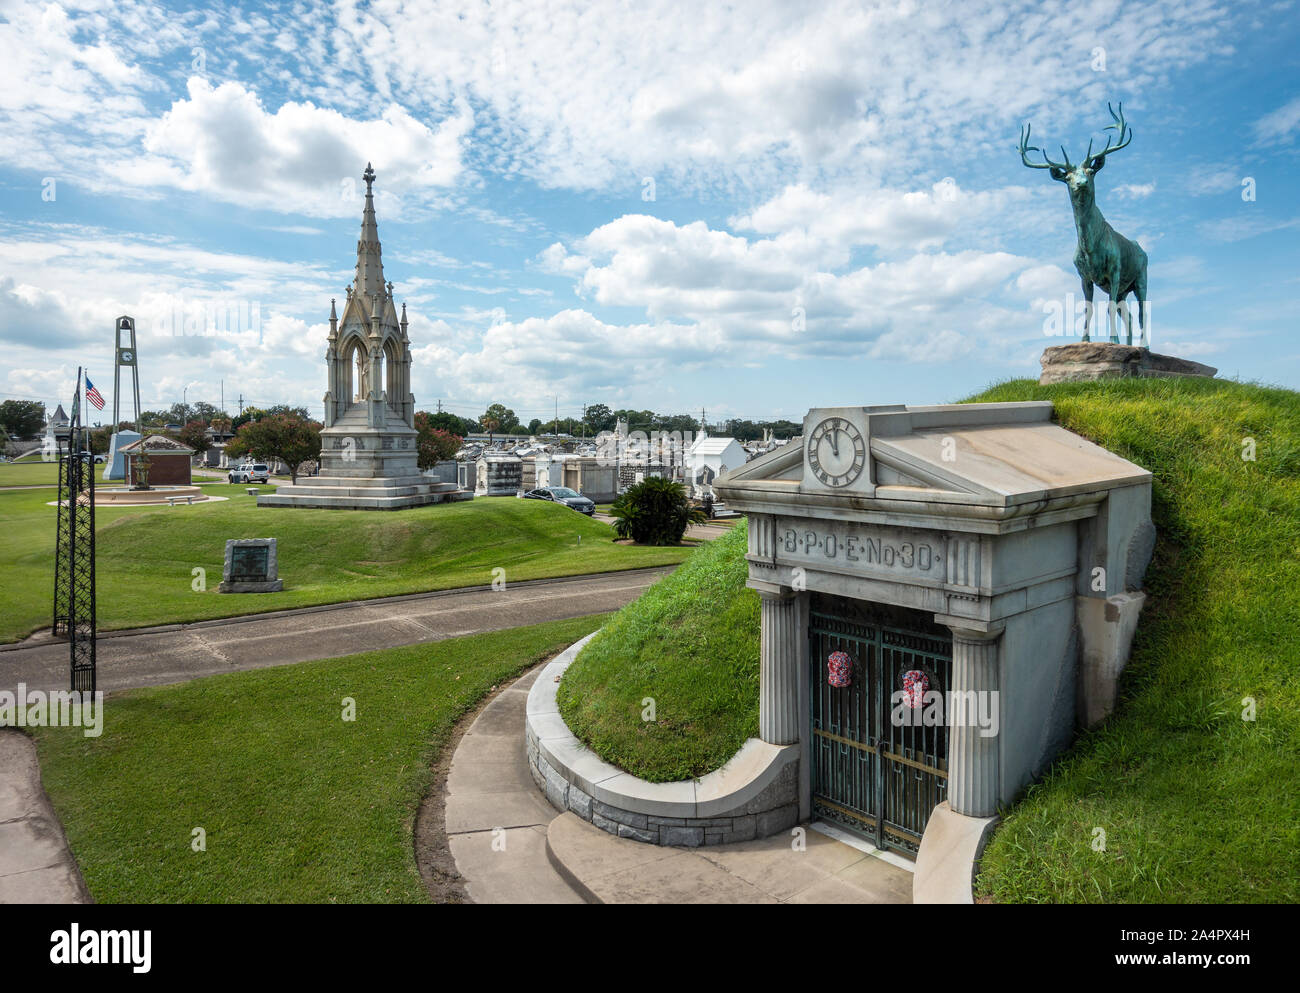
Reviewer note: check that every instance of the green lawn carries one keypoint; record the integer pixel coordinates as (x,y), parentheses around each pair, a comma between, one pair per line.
(29,472)
(297,804)
(146,556)
(690,643)
(1197,805)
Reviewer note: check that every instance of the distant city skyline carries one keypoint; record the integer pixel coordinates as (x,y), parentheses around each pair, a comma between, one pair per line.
(753,210)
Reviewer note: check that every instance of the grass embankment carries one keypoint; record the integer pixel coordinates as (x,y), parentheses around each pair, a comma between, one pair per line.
(297,805)
(1197,804)
(146,556)
(690,643)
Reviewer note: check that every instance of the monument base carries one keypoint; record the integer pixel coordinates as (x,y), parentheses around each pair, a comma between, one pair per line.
(1088,360)
(364,493)
(272,586)
(116,461)
(366,468)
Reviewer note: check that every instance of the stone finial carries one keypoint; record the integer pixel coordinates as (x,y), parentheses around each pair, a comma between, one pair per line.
(369,177)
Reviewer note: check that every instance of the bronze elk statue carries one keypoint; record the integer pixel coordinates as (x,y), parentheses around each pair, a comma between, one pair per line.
(1104,257)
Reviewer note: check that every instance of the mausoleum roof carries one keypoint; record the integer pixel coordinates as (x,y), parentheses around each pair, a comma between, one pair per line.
(1009,458)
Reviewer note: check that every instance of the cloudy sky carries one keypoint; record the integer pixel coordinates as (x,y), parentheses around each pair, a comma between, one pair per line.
(751,208)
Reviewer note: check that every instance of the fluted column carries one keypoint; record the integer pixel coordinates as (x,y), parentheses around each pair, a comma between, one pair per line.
(782,628)
(973,785)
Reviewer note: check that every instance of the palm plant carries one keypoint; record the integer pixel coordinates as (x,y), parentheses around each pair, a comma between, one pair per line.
(654,512)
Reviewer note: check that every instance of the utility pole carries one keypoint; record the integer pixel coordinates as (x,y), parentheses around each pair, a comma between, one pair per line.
(223,398)
(440,405)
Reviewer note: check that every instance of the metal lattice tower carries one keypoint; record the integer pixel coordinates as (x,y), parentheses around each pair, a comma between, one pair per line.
(74,557)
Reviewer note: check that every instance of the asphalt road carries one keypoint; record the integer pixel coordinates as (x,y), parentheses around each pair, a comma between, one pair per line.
(173,654)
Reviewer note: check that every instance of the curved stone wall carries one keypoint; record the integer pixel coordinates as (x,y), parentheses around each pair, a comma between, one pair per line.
(754,795)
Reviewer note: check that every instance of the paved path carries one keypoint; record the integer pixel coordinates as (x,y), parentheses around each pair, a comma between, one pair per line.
(495,818)
(175,653)
(512,846)
(35,863)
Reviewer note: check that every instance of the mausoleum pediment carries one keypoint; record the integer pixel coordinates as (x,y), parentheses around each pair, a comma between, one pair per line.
(1007,458)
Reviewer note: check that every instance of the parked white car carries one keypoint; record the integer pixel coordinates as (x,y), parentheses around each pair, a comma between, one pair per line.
(250,472)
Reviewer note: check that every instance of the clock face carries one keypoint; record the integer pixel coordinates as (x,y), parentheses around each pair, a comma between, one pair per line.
(837,453)
(127,355)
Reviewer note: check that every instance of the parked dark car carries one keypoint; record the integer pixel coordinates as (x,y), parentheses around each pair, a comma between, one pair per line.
(564,495)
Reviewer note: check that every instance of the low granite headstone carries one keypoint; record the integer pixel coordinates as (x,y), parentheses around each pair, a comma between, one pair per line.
(1088,360)
(250,567)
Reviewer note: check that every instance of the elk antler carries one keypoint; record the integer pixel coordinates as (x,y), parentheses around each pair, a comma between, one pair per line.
(1125,135)
(1026,148)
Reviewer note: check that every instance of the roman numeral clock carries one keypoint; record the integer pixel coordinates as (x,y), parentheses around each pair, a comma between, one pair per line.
(835,449)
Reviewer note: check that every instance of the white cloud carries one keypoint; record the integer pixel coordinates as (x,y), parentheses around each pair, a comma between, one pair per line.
(301,158)
(1281,125)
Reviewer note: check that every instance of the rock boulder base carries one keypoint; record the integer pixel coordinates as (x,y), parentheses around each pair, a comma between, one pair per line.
(1089,360)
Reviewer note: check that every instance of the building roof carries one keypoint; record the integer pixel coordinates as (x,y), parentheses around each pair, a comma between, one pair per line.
(157,444)
(1001,460)
(713,446)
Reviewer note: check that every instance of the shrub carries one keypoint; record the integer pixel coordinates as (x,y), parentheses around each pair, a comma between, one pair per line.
(654,512)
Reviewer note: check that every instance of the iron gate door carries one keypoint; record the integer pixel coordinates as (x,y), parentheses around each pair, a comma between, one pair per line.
(874,775)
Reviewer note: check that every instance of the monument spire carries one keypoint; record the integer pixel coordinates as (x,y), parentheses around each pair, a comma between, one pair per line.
(370,267)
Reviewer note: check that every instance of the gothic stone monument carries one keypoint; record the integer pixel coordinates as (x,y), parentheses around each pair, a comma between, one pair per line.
(977,552)
(368,458)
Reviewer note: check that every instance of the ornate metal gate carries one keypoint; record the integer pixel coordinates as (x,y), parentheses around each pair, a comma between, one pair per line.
(871,773)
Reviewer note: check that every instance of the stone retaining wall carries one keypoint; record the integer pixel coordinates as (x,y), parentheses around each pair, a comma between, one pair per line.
(753,796)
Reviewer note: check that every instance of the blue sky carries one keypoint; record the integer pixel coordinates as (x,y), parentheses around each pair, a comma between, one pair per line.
(751,209)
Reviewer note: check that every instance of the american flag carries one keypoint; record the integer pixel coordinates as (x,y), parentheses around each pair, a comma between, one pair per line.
(93,396)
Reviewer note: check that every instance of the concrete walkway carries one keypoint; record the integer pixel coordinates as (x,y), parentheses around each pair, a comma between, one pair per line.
(512,846)
(495,818)
(179,652)
(36,865)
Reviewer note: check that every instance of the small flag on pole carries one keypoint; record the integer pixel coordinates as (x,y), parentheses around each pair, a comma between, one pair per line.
(93,396)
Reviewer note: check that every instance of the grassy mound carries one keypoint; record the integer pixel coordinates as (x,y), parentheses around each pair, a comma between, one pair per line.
(146,556)
(1196,803)
(690,644)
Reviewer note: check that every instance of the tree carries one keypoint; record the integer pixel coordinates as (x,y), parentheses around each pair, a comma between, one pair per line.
(22,418)
(152,419)
(195,435)
(434,444)
(204,412)
(534,425)
(444,420)
(599,418)
(99,439)
(504,419)
(676,422)
(293,440)
(654,512)
(257,413)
